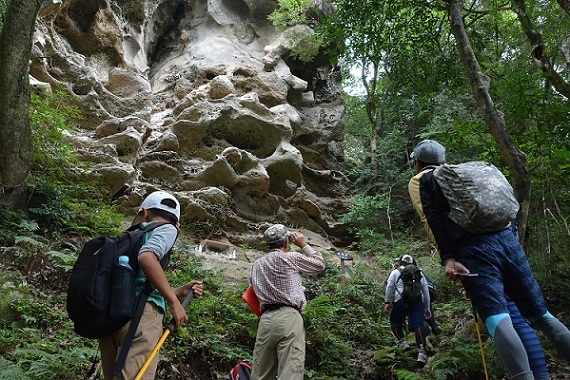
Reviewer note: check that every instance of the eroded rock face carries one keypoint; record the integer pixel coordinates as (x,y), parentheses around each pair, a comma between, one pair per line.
(200,98)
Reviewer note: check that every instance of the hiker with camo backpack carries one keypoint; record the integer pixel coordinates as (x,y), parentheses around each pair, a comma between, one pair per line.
(408,287)
(485,255)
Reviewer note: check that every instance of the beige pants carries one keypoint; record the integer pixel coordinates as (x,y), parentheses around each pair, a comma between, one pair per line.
(279,351)
(148,333)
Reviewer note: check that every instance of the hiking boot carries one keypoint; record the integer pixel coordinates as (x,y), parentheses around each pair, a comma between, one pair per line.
(422,359)
(404,345)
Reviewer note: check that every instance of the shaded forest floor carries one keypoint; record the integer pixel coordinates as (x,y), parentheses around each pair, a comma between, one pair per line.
(348,335)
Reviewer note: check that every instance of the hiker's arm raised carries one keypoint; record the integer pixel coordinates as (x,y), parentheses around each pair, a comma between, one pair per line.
(196,286)
(151,267)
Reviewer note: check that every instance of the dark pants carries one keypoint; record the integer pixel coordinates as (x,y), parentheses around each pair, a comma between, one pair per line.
(415,314)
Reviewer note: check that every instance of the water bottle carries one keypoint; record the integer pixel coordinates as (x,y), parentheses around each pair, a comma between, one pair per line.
(124,261)
(122,290)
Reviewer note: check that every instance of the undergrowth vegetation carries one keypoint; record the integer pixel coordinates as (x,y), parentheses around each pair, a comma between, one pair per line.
(348,335)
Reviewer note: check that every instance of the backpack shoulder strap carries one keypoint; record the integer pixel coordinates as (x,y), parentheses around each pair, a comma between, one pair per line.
(139,309)
(400,270)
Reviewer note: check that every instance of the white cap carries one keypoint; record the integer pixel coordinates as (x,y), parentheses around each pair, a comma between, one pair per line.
(408,259)
(156,200)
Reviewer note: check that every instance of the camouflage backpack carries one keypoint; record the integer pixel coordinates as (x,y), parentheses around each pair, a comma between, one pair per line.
(481,198)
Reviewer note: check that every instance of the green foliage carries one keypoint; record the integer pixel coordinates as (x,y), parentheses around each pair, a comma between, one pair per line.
(63,259)
(287,17)
(3,8)
(408,375)
(11,371)
(464,362)
(13,223)
(221,327)
(64,198)
(33,344)
(375,220)
(51,119)
(290,13)
(366,212)
(52,363)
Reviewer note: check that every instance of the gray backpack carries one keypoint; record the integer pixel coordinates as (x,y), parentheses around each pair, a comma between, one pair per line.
(481,198)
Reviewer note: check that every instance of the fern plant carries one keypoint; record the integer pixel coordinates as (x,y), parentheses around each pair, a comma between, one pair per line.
(11,371)
(61,364)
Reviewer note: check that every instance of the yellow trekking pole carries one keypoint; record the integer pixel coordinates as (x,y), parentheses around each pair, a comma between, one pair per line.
(480,342)
(169,328)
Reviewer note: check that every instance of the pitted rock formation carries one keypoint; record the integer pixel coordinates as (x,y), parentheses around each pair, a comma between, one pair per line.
(201,98)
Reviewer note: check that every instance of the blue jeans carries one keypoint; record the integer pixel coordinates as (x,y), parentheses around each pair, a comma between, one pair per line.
(503,268)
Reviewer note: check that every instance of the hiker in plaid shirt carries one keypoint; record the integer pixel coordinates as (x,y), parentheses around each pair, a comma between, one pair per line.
(276,278)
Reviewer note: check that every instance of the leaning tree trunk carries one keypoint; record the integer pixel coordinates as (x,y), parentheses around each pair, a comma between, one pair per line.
(16,141)
(515,158)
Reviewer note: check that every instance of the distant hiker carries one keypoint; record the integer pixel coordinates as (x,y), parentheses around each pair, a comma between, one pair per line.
(411,299)
(397,263)
(157,207)
(495,256)
(279,351)
(435,329)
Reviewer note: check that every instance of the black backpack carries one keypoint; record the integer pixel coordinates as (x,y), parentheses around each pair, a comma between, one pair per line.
(101,296)
(411,277)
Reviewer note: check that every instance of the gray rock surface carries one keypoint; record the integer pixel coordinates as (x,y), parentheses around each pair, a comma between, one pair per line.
(200,98)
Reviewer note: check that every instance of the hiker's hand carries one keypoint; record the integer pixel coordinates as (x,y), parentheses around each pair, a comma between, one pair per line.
(298,239)
(196,286)
(178,313)
(387,308)
(453,267)
(427,314)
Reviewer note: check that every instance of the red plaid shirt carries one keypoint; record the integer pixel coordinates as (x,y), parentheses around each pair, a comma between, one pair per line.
(276,277)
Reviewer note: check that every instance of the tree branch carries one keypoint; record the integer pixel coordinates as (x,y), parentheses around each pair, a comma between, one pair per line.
(539,52)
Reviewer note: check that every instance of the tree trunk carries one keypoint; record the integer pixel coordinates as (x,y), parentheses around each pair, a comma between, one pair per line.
(16,143)
(565,4)
(370,85)
(515,158)
(539,52)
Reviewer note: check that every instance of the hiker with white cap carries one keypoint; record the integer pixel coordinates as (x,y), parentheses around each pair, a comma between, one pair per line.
(408,288)
(159,206)
(279,351)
